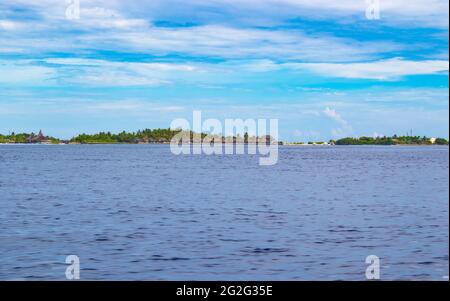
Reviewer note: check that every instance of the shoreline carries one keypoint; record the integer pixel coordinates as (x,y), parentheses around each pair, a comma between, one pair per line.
(224,144)
(166,136)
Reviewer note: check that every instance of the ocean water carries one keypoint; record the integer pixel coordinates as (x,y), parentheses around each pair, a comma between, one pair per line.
(138,212)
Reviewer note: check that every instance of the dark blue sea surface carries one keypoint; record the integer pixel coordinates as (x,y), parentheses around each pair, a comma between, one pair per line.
(139,212)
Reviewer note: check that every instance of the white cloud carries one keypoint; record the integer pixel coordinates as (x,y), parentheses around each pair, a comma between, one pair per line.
(121,14)
(115,79)
(10,25)
(306,134)
(137,107)
(377,135)
(344,128)
(102,26)
(89,72)
(419,13)
(116,64)
(234,43)
(96,72)
(127,26)
(382,70)
(93,72)
(24,73)
(92,107)
(99,17)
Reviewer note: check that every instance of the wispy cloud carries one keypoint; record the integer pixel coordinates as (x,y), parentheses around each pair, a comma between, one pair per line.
(382,70)
(135,107)
(214,41)
(10,25)
(24,73)
(90,72)
(405,12)
(96,72)
(344,129)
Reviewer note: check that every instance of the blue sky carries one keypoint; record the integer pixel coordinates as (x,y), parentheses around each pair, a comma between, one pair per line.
(321,67)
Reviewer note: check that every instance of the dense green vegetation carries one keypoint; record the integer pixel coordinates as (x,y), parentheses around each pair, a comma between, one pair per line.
(441,141)
(28,138)
(153,136)
(365,141)
(144,136)
(394,140)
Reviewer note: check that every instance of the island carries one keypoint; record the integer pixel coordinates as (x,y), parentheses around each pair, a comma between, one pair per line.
(147,136)
(394,140)
(29,138)
(164,136)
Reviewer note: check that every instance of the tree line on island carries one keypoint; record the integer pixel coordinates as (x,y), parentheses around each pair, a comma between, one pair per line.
(166,135)
(147,136)
(394,140)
